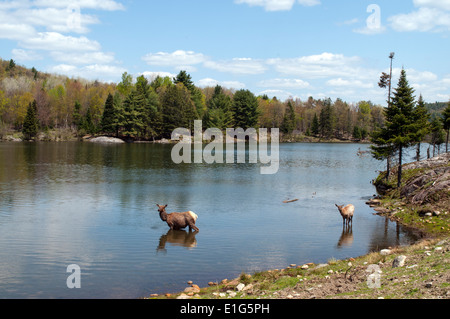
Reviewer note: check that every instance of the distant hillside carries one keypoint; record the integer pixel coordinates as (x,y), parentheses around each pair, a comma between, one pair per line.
(436,107)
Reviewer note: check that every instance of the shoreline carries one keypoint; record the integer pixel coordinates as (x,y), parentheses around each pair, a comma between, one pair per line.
(67,135)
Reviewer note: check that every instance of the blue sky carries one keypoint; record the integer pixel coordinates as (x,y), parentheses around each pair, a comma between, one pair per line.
(283,48)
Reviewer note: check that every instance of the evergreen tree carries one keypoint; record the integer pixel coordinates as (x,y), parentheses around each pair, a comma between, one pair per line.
(196,95)
(31,124)
(289,119)
(357,133)
(178,110)
(76,115)
(185,78)
(446,124)
(437,134)
(118,113)
(11,65)
(218,114)
(327,120)
(109,119)
(245,109)
(146,102)
(131,119)
(400,122)
(421,119)
(87,123)
(315,125)
(35,72)
(382,149)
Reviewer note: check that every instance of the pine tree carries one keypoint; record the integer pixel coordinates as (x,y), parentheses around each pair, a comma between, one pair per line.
(421,119)
(131,117)
(178,110)
(437,134)
(327,120)
(87,123)
(185,78)
(289,119)
(76,115)
(382,149)
(109,119)
(245,109)
(11,65)
(400,124)
(218,114)
(357,133)
(31,124)
(446,124)
(118,112)
(315,125)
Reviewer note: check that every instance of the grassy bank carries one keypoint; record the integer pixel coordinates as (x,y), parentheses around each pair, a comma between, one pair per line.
(421,203)
(425,274)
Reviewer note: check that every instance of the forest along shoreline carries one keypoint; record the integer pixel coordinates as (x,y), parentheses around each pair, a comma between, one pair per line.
(417,271)
(70,136)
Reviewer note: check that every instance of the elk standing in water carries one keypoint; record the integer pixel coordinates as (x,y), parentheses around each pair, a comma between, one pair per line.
(347,214)
(178,221)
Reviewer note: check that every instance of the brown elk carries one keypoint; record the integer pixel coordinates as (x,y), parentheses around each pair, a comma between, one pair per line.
(178,221)
(346,213)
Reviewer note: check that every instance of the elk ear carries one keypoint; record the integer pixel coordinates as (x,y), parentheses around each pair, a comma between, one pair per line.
(165,206)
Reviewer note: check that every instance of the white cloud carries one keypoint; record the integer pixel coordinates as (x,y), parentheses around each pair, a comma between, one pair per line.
(278,5)
(90,72)
(108,5)
(78,58)
(241,66)
(440,4)
(181,60)
(23,55)
(324,65)
(284,83)
(65,69)
(279,94)
(12,31)
(339,82)
(208,82)
(431,15)
(153,75)
(423,20)
(309,3)
(54,41)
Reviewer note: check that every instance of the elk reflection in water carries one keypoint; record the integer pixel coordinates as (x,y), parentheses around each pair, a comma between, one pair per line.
(178,238)
(346,238)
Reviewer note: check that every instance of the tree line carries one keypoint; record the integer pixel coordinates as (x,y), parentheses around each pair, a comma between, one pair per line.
(150,109)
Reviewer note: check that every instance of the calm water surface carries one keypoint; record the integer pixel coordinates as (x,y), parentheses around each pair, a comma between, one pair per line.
(95,206)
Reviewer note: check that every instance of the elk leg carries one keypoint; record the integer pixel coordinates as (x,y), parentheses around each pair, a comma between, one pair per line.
(192,226)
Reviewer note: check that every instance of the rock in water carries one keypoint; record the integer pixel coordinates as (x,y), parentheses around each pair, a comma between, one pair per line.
(106,140)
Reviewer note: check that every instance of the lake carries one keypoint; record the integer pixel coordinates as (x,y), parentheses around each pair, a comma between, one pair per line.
(95,206)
